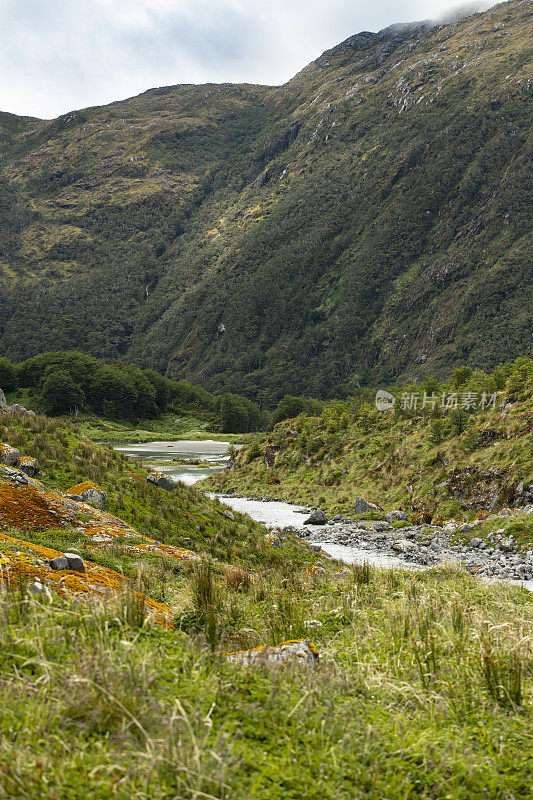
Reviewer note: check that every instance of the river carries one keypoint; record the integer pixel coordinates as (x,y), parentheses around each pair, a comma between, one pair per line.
(272,513)
(211,452)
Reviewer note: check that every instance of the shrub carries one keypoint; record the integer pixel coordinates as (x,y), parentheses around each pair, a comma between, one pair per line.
(290,407)
(471,440)
(253,452)
(458,420)
(437,431)
(238,414)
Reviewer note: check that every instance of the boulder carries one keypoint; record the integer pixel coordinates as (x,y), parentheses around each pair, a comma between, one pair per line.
(363,506)
(378,526)
(273,539)
(523,494)
(28,465)
(87,492)
(8,455)
(160,479)
(59,562)
(75,562)
(17,409)
(316,518)
(395,516)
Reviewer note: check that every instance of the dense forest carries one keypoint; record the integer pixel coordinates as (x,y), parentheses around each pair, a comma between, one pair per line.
(65,383)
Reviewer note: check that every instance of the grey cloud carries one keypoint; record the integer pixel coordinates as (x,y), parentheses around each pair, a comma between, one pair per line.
(56,55)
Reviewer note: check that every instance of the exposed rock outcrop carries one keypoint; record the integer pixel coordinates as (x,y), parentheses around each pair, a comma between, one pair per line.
(87,492)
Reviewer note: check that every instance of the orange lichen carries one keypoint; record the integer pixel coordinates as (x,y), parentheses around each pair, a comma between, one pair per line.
(24,506)
(85,486)
(17,567)
(34,507)
(137,478)
(423,517)
(315,569)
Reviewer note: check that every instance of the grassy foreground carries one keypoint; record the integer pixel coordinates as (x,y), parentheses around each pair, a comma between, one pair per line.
(423,690)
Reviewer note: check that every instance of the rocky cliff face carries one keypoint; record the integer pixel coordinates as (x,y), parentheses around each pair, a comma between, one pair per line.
(369,217)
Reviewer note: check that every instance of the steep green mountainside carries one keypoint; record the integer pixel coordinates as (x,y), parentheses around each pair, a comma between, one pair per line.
(367,218)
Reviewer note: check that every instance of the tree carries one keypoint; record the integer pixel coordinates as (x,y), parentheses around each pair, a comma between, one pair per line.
(289,407)
(59,392)
(238,414)
(8,375)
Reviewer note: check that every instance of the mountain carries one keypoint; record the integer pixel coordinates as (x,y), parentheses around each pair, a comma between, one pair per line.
(367,220)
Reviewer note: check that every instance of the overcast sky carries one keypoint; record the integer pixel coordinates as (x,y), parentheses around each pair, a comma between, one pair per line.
(59,55)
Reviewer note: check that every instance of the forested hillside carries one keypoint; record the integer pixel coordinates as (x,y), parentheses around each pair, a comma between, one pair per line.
(367,218)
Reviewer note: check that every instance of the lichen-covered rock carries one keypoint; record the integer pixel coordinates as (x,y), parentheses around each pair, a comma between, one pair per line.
(363,506)
(25,502)
(28,465)
(25,562)
(75,562)
(88,492)
(18,409)
(395,516)
(59,562)
(272,539)
(8,455)
(315,569)
(163,481)
(302,651)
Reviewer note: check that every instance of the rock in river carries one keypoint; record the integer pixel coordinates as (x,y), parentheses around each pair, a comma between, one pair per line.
(316,518)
